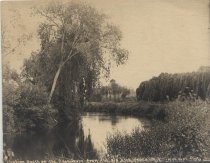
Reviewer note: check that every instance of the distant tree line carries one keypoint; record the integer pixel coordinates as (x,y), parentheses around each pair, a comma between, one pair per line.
(183,86)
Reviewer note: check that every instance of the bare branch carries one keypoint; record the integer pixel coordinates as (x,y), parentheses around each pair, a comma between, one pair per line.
(12,50)
(70,57)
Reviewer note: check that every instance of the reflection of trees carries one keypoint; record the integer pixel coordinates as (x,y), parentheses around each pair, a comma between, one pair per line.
(71,142)
(113,118)
(64,141)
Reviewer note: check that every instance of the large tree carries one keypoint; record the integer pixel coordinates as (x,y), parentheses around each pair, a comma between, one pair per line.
(78,44)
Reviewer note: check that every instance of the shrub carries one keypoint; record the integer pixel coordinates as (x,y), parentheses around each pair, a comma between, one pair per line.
(183,134)
(8,119)
(32,95)
(35,118)
(10,92)
(24,104)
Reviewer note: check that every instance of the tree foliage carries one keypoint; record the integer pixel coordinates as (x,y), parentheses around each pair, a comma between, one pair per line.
(10,91)
(24,104)
(170,86)
(77,46)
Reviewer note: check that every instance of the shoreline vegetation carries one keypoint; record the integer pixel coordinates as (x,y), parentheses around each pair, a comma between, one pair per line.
(184,133)
(149,110)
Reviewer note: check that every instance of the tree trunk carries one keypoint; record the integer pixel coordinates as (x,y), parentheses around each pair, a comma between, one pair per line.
(57,73)
(54,83)
(56,77)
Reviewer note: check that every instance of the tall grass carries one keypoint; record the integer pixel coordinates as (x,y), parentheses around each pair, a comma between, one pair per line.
(183,134)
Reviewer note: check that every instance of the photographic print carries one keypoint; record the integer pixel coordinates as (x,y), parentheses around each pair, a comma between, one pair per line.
(105,81)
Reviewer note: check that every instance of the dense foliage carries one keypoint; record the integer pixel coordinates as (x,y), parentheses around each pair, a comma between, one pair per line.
(24,104)
(183,134)
(170,86)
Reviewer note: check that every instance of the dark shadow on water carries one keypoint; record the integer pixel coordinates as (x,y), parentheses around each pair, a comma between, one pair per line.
(112,118)
(63,141)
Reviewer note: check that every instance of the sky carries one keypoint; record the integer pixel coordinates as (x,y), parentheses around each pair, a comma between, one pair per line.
(161,35)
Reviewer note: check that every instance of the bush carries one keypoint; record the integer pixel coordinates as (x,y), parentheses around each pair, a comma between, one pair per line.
(35,119)
(8,119)
(184,134)
(24,104)
(17,92)
(10,92)
(32,95)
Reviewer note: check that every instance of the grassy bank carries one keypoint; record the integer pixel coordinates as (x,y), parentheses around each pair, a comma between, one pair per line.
(183,134)
(140,109)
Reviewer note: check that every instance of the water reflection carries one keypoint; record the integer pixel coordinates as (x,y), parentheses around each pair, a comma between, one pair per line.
(112,118)
(64,141)
(101,125)
(82,139)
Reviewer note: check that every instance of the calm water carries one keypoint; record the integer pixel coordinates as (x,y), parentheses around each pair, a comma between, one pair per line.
(79,140)
(99,126)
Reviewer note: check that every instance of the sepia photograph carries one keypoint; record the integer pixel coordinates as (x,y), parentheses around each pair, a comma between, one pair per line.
(105,81)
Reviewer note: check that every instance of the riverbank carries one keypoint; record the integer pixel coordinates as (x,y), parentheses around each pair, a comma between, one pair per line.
(184,133)
(139,109)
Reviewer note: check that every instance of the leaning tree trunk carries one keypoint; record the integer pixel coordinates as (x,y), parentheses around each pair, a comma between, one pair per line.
(59,68)
(54,83)
(56,77)
(57,73)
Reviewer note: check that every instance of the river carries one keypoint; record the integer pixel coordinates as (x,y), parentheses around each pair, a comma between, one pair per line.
(78,140)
